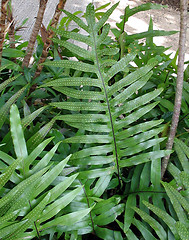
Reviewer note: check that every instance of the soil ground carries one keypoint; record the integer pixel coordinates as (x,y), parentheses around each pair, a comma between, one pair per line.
(173,3)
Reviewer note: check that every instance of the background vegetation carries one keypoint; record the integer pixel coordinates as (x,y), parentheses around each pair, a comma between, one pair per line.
(81,151)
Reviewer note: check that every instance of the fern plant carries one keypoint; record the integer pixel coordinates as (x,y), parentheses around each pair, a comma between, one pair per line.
(115,134)
(28,200)
(109,112)
(175,215)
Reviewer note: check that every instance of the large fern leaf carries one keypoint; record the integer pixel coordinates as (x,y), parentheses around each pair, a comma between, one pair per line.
(176,220)
(110,113)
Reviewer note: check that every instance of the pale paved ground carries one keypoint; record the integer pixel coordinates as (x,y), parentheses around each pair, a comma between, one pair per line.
(28,9)
(165,19)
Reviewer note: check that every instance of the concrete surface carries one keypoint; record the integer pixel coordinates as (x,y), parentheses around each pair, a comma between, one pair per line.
(23,9)
(165,19)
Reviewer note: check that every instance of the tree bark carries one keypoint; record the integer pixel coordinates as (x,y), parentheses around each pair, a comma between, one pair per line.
(50,35)
(2,25)
(179,83)
(11,31)
(33,36)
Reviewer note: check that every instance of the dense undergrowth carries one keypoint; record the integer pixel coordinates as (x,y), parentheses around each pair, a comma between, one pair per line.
(81,150)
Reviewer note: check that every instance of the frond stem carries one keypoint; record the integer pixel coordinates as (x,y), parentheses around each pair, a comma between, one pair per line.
(35,224)
(109,111)
(88,206)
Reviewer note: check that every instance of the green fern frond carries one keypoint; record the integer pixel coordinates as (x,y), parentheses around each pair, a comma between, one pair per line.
(108,102)
(6,83)
(153,223)
(5,109)
(164,216)
(26,202)
(182,230)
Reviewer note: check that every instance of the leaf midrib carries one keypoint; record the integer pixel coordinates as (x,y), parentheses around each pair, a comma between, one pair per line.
(108,104)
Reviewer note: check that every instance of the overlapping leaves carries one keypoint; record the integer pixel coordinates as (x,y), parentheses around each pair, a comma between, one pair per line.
(175,223)
(109,112)
(25,203)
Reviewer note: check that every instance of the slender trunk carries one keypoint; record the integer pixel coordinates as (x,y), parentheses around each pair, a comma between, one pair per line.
(179,84)
(50,35)
(2,25)
(12,25)
(34,33)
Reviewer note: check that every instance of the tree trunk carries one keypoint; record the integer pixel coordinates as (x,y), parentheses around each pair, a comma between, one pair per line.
(34,33)
(2,25)
(50,35)
(179,84)
(11,31)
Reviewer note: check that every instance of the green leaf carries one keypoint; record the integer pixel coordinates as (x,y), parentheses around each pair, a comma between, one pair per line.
(6,158)
(80,66)
(105,205)
(131,236)
(130,90)
(134,116)
(4,67)
(149,33)
(74,81)
(109,216)
(73,35)
(129,212)
(77,20)
(185,179)
(153,223)
(7,201)
(29,118)
(59,204)
(17,133)
(45,160)
(12,53)
(61,187)
(108,234)
(183,153)
(92,95)
(156,170)
(138,102)
(105,17)
(7,82)
(119,66)
(30,217)
(78,118)
(96,173)
(47,179)
(35,153)
(68,219)
(163,215)
(182,231)
(144,157)
(76,50)
(5,109)
(7,231)
(89,139)
(9,171)
(145,232)
(101,185)
(177,200)
(8,217)
(11,65)
(37,138)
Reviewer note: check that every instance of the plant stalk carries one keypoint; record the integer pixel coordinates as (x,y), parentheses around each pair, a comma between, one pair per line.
(179,83)
(2,25)
(50,35)
(11,31)
(33,36)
